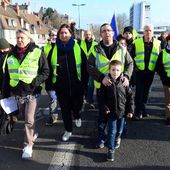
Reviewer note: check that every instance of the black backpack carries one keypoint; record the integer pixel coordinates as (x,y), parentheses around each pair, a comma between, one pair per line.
(6,123)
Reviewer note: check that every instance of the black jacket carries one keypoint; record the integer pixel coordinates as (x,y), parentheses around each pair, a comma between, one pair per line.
(117,99)
(67,82)
(23,89)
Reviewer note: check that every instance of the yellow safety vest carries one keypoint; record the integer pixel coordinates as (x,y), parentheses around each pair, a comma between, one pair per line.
(166,62)
(77,55)
(102,63)
(47,49)
(140,54)
(84,47)
(26,71)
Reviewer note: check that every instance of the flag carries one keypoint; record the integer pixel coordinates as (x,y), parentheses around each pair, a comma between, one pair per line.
(114,26)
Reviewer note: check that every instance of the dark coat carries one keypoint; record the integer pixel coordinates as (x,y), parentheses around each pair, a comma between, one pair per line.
(23,89)
(117,99)
(67,82)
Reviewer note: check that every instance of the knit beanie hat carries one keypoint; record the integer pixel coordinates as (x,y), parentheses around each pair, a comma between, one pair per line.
(128,29)
(168,37)
(4,43)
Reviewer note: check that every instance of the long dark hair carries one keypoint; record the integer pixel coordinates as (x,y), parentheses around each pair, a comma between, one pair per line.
(64,26)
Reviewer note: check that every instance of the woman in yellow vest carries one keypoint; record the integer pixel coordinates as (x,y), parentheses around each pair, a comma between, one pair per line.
(25,70)
(163,69)
(68,76)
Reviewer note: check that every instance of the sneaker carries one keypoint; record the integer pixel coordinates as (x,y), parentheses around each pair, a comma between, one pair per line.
(66,136)
(52,120)
(27,152)
(91,107)
(78,122)
(137,117)
(101,144)
(110,155)
(117,144)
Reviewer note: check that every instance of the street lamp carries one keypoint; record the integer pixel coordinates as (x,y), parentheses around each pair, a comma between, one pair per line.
(78,5)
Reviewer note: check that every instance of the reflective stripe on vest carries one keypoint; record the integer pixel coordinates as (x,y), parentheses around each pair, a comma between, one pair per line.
(47,49)
(77,55)
(166,62)
(26,71)
(84,47)
(140,54)
(102,63)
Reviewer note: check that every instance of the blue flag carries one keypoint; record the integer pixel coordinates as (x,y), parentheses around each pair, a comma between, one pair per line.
(114,26)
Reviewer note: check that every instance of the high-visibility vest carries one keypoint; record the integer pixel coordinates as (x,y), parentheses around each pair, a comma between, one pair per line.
(46,49)
(77,55)
(102,63)
(140,54)
(26,71)
(83,45)
(166,62)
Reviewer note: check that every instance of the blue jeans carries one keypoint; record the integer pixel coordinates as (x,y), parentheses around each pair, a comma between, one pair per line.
(90,90)
(115,128)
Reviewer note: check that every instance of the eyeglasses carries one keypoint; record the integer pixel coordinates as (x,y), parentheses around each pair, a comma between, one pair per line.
(104,31)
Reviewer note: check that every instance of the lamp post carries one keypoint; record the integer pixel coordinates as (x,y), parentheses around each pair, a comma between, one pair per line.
(78,5)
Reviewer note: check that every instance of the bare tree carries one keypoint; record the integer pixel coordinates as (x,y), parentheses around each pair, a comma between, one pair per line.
(95,28)
(122,21)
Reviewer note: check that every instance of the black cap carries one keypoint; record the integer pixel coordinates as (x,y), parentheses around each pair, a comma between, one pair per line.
(128,29)
(4,43)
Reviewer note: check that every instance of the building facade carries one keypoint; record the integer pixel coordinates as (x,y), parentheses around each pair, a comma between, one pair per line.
(140,15)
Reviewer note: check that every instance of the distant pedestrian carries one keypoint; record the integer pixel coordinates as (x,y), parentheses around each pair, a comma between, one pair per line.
(163,69)
(25,70)
(145,54)
(87,46)
(117,103)
(47,49)
(68,75)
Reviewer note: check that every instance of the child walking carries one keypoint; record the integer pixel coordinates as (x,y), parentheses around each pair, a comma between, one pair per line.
(117,103)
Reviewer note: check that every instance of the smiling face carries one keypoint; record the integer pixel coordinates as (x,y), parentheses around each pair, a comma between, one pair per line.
(115,71)
(22,40)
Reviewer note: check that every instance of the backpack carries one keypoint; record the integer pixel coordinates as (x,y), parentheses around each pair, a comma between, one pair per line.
(6,123)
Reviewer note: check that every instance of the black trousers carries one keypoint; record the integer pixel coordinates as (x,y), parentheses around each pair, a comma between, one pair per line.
(70,108)
(144,80)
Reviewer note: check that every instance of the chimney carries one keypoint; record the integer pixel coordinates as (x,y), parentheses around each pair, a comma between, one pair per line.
(17,9)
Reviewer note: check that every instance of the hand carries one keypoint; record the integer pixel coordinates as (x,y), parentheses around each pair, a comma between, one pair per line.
(130,115)
(106,81)
(125,81)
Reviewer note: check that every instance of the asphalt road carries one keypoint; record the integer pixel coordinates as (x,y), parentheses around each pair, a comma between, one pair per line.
(145,147)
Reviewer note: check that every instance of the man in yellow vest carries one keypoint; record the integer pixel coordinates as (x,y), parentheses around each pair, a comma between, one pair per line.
(87,46)
(26,69)
(98,67)
(47,49)
(163,69)
(145,54)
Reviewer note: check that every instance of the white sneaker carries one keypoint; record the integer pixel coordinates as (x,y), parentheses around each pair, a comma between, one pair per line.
(66,136)
(27,152)
(78,122)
